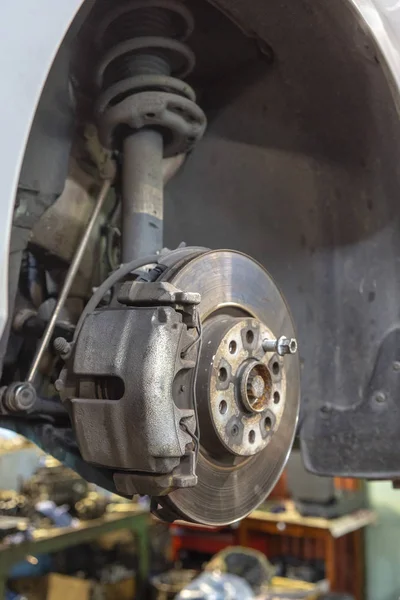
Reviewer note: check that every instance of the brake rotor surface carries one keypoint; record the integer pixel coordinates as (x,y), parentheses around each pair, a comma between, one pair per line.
(234,477)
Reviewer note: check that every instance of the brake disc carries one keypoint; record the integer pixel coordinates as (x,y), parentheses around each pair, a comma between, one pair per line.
(247,399)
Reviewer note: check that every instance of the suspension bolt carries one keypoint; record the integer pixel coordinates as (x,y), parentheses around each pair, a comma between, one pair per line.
(62,347)
(282,346)
(19,397)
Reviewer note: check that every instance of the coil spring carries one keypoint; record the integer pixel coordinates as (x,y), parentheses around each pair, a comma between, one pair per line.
(145,50)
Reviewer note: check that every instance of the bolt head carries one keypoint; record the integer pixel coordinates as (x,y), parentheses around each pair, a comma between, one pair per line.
(25,396)
(21,397)
(286,346)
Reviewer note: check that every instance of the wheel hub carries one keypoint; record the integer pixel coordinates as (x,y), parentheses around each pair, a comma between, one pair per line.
(237,387)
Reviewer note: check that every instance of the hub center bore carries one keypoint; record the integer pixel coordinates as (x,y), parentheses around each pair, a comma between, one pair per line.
(256,387)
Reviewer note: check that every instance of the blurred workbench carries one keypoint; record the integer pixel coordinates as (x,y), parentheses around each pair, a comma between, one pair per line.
(339,542)
(46,541)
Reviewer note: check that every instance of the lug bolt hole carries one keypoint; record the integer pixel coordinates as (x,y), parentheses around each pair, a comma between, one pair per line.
(275,368)
(252,436)
(235,430)
(232,347)
(268,424)
(150,115)
(249,337)
(277,397)
(223,374)
(223,407)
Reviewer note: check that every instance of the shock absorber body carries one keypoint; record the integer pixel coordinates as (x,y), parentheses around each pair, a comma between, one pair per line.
(145,110)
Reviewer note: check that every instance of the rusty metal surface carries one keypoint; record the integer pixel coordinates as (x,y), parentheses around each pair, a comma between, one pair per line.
(229,488)
(243,421)
(123,402)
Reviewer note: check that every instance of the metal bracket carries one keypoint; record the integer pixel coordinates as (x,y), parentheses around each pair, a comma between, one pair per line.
(155,294)
(161,293)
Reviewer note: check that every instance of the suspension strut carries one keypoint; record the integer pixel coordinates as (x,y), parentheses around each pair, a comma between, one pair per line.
(145,110)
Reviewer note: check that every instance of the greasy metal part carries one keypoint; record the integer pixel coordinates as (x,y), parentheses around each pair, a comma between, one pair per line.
(19,397)
(282,346)
(69,279)
(142,191)
(230,486)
